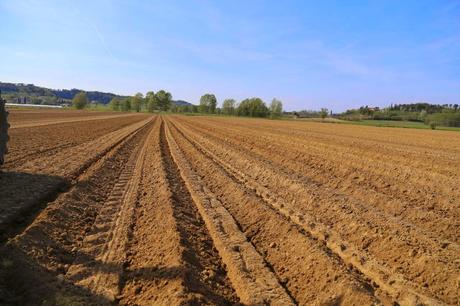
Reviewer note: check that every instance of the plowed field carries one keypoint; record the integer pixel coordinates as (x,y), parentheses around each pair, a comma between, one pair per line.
(167,210)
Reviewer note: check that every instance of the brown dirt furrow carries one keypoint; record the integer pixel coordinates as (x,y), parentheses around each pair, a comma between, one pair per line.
(36,143)
(99,264)
(408,143)
(205,275)
(436,235)
(311,273)
(71,161)
(154,272)
(259,177)
(433,236)
(421,253)
(44,251)
(58,169)
(394,167)
(408,199)
(417,220)
(253,281)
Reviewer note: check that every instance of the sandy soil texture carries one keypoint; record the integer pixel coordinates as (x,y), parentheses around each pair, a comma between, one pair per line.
(157,210)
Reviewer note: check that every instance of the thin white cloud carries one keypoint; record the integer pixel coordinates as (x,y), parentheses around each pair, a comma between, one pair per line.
(94,27)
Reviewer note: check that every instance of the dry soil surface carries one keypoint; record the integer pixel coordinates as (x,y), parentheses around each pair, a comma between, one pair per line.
(157,210)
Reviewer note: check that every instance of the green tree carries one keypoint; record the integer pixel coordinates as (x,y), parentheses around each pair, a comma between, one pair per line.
(204,106)
(151,100)
(125,104)
(115,104)
(192,108)
(137,101)
(164,100)
(324,111)
(208,103)
(212,104)
(181,108)
(276,108)
(253,107)
(228,107)
(80,101)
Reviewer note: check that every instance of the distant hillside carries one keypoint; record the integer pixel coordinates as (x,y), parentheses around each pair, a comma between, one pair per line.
(100,97)
(29,93)
(182,103)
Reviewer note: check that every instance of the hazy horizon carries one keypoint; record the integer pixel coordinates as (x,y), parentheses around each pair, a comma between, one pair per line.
(310,55)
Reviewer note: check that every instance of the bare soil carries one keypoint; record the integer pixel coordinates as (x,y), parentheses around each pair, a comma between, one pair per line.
(148,210)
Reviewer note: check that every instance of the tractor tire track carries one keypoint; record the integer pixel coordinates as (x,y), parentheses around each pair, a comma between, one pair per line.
(99,265)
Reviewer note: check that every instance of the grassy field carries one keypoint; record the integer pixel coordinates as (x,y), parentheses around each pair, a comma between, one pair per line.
(399,124)
(380,123)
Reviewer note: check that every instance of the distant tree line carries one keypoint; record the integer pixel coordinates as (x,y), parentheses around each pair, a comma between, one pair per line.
(322,113)
(159,101)
(250,107)
(418,107)
(162,101)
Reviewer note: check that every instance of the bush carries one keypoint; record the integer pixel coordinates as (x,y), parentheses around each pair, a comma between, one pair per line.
(433,125)
(80,101)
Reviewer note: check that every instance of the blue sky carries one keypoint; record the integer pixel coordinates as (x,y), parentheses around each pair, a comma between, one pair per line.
(309,54)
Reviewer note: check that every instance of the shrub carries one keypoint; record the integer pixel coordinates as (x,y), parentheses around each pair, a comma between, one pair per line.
(80,101)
